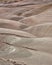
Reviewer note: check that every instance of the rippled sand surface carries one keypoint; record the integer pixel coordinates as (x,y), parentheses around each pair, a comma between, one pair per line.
(25,32)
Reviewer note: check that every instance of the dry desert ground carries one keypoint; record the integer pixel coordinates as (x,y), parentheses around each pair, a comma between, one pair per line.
(25,32)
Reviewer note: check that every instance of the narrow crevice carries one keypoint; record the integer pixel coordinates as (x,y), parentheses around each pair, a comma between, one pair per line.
(14,35)
(20,46)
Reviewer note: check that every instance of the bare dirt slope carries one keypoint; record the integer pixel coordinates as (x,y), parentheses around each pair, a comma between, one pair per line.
(25,32)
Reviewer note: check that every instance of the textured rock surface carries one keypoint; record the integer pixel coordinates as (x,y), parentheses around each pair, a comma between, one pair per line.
(25,32)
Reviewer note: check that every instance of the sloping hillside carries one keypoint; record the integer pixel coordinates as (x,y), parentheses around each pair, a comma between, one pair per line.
(25,32)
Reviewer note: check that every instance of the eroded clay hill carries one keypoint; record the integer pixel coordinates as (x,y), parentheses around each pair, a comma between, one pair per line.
(25,32)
